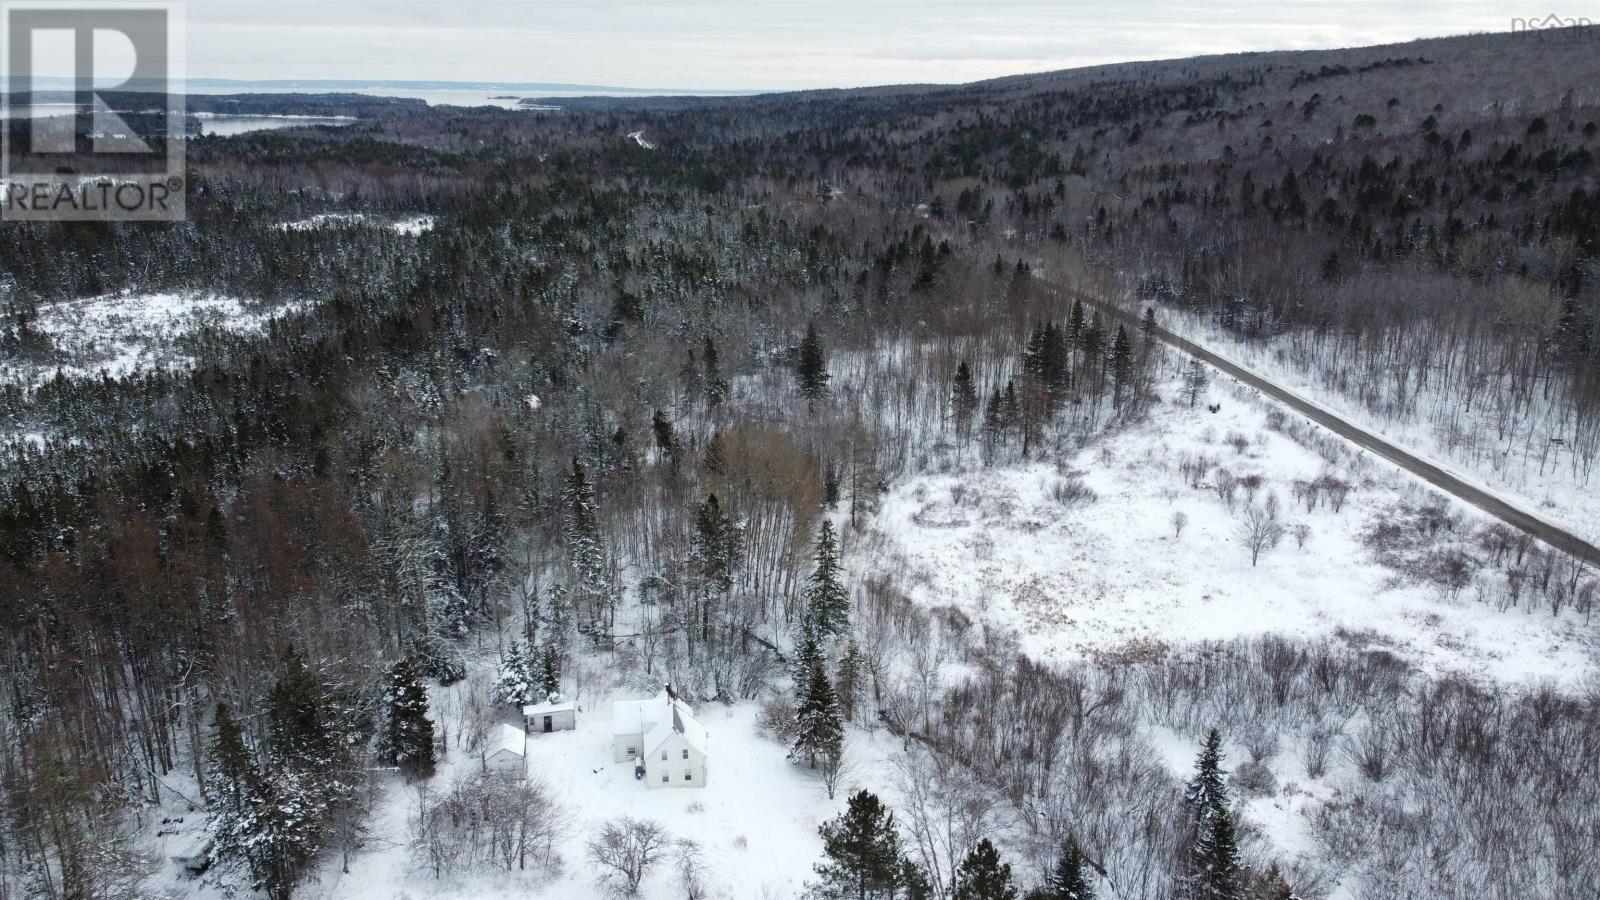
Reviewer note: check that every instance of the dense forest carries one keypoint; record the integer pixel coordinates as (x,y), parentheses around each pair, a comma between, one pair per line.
(614,402)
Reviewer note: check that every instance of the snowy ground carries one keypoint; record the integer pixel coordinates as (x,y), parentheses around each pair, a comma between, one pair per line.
(410,226)
(756,819)
(121,334)
(1077,580)
(1523,466)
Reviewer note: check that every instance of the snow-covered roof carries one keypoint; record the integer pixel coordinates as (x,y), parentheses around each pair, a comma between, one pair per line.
(655,718)
(553,706)
(682,722)
(507,737)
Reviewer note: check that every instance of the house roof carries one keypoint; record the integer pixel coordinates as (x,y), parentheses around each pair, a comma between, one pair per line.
(542,709)
(680,722)
(507,737)
(657,718)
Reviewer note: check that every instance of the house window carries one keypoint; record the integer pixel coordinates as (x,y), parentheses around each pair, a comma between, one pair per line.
(665,778)
(663,756)
(688,774)
(686,753)
(632,751)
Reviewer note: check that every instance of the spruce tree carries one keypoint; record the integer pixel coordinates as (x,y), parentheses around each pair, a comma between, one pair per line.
(1194,381)
(861,852)
(1208,790)
(515,683)
(982,876)
(963,399)
(549,671)
(407,737)
(666,441)
(819,726)
(584,549)
(714,383)
(1147,327)
(852,670)
(1121,362)
(830,487)
(714,547)
(1075,322)
(1217,870)
(1069,878)
(811,366)
(827,600)
(238,794)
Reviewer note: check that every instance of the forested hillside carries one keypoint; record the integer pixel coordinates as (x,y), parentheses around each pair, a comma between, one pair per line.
(536,391)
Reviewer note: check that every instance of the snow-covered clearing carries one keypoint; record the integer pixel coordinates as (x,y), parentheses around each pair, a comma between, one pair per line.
(410,226)
(122,334)
(1009,547)
(639,138)
(756,819)
(1529,463)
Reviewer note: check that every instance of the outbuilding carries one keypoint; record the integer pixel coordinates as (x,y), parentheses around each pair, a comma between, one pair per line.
(506,751)
(550,716)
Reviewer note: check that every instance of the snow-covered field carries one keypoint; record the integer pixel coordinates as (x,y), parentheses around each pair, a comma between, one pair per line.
(411,226)
(121,334)
(1075,579)
(1523,465)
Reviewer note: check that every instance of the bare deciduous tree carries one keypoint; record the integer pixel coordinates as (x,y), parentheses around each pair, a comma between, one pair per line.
(625,849)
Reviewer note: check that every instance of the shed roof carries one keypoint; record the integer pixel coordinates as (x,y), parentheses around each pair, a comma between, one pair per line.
(508,737)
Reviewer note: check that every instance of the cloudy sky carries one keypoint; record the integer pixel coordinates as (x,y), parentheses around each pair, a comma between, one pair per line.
(762,44)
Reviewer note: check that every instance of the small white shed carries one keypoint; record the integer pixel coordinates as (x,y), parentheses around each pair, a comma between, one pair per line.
(551,716)
(506,751)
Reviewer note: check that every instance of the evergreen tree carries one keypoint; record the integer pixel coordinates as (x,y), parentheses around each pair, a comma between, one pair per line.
(811,366)
(1208,790)
(994,425)
(982,876)
(963,399)
(549,671)
(1069,878)
(714,383)
(827,600)
(1075,322)
(666,440)
(1147,327)
(912,882)
(407,737)
(830,487)
(299,729)
(1216,860)
(1121,362)
(1194,381)
(861,852)
(1214,854)
(515,683)
(714,549)
(852,669)
(238,794)
(819,727)
(584,549)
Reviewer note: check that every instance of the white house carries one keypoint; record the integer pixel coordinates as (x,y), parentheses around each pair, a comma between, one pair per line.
(554,715)
(661,736)
(506,749)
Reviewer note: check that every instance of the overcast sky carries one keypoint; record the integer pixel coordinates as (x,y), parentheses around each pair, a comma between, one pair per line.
(750,44)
